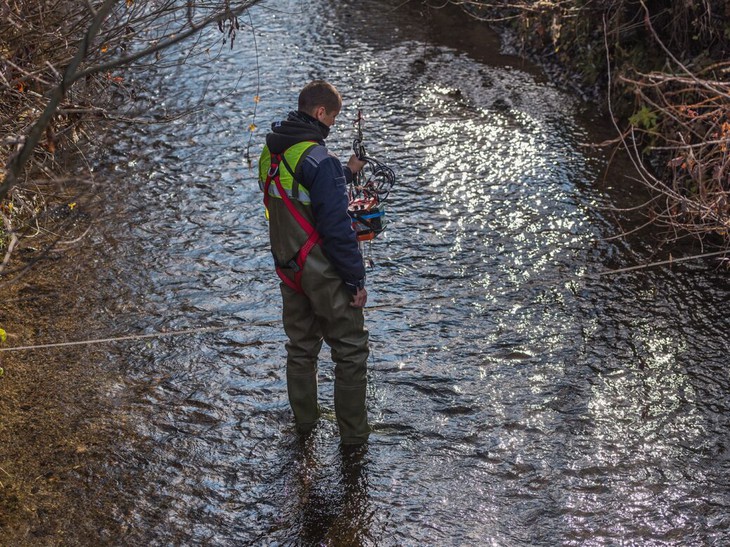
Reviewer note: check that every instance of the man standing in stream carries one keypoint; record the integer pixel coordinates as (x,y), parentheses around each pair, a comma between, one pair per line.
(318,260)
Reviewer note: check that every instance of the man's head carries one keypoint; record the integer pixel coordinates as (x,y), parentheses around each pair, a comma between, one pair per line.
(321,100)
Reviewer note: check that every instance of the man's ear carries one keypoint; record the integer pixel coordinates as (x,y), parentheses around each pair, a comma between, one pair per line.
(319,112)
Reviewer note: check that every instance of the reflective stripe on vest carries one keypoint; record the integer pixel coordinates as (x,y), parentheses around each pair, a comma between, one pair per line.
(292,155)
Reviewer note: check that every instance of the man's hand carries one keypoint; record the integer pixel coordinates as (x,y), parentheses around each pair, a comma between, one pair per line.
(359,299)
(355,164)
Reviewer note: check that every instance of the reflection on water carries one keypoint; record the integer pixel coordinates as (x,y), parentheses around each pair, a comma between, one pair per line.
(516,398)
(326,497)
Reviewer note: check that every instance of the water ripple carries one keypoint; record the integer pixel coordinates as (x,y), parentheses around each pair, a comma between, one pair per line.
(515,399)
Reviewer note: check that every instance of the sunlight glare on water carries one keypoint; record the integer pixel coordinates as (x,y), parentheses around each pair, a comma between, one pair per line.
(516,398)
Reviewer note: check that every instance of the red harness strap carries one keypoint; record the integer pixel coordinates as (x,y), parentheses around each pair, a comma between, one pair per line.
(297,263)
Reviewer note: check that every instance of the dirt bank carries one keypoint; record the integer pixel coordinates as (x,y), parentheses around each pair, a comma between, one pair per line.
(56,433)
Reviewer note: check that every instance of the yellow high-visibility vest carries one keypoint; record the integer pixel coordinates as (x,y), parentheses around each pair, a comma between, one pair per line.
(287,167)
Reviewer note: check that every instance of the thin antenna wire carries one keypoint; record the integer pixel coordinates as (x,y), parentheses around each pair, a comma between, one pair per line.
(257,97)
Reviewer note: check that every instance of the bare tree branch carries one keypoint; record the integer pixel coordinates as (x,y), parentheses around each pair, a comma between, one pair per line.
(17,162)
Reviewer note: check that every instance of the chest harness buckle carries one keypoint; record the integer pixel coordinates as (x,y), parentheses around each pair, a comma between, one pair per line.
(296,263)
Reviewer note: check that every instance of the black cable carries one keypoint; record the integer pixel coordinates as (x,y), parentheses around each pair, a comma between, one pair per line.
(369,188)
(379,179)
(376,179)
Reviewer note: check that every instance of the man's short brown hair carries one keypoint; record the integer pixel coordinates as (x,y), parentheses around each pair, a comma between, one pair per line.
(319,93)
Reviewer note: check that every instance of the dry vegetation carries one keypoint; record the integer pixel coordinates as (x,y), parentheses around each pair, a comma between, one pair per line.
(661,69)
(62,70)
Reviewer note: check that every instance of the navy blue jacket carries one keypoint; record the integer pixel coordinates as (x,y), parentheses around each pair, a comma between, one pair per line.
(326,180)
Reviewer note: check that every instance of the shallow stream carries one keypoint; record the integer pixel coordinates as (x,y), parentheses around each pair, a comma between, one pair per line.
(517,397)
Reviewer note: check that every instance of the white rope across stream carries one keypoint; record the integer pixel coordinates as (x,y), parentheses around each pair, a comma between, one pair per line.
(199,330)
(662,263)
(147,336)
(180,332)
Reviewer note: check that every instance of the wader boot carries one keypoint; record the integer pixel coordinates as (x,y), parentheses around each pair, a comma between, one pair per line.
(305,342)
(351,412)
(302,390)
(349,342)
(323,312)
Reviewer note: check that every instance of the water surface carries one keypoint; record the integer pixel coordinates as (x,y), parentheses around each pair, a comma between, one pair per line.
(517,397)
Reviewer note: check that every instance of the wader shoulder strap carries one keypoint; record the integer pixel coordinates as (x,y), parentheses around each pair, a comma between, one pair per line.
(296,264)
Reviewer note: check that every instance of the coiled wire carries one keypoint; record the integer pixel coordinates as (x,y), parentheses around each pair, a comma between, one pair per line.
(375,180)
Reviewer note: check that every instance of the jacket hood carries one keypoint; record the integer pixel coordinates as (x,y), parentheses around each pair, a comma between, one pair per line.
(296,128)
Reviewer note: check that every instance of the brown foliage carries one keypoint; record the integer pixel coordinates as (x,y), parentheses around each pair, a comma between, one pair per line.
(661,67)
(61,64)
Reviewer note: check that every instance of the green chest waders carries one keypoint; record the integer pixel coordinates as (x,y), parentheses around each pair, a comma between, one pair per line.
(296,264)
